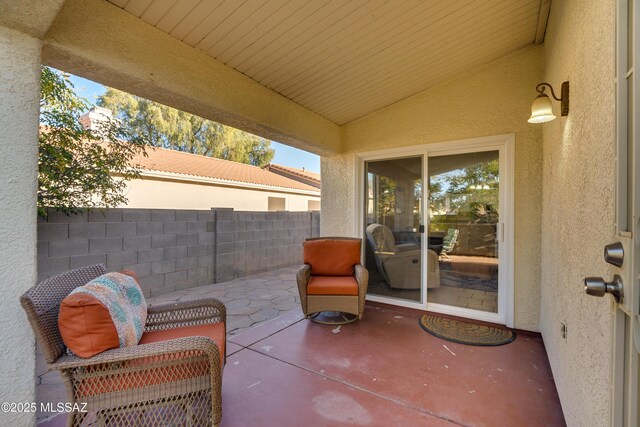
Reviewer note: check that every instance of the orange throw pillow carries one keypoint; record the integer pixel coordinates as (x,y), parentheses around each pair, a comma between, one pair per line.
(86,326)
(329,257)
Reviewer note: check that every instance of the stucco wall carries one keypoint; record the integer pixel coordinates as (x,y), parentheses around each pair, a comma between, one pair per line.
(19,95)
(578,206)
(163,194)
(490,100)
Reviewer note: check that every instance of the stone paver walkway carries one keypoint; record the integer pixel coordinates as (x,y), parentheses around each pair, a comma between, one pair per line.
(249,300)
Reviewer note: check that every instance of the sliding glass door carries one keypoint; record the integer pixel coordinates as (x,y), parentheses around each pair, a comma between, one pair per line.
(437,222)
(392,228)
(464,221)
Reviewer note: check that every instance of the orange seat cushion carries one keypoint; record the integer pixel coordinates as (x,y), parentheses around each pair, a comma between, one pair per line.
(336,285)
(215,331)
(332,257)
(86,326)
(134,378)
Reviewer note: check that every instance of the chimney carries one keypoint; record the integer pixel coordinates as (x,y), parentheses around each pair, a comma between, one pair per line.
(91,119)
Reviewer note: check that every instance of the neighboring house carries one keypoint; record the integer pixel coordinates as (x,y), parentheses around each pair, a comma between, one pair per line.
(173,179)
(301,175)
(92,118)
(177,180)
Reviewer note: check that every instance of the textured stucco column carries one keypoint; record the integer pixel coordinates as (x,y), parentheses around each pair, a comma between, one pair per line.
(19,95)
(578,207)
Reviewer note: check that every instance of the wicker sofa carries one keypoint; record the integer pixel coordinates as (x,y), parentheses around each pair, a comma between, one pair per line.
(167,382)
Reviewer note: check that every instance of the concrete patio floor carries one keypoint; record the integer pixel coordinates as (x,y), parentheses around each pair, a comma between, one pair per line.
(381,371)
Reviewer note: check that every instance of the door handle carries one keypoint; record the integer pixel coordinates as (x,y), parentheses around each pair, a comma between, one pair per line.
(597,287)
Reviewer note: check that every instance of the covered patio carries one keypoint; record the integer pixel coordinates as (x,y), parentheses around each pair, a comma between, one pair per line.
(383,370)
(358,82)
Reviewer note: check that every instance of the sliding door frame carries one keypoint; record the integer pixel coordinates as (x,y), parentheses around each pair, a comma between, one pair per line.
(361,160)
(505,144)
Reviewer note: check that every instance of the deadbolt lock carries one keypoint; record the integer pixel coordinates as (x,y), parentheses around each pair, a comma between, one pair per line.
(614,254)
(597,287)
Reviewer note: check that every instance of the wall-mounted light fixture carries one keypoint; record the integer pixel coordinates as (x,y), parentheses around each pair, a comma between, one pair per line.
(541,110)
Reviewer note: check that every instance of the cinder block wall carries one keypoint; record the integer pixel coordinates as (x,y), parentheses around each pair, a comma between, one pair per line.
(170,249)
(253,242)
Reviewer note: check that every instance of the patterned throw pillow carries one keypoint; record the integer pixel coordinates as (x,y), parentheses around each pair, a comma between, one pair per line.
(121,295)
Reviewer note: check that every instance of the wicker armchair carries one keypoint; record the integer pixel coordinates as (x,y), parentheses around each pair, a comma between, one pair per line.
(172,382)
(342,298)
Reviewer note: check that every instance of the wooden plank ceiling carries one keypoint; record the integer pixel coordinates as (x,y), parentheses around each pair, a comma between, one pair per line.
(346,59)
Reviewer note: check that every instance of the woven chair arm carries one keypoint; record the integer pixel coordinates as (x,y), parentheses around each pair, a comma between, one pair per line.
(302,278)
(303,275)
(362,275)
(139,375)
(187,313)
(144,351)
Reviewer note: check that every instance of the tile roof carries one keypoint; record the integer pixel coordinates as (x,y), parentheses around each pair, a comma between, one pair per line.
(178,162)
(312,176)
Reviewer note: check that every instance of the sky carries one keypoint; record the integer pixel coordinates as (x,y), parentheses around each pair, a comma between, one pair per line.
(284,155)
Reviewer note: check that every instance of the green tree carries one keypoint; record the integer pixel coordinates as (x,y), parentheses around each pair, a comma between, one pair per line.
(386,199)
(166,127)
(470,192)
(76,166)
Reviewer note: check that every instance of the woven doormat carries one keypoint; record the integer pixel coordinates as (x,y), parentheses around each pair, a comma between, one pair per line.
(465,332)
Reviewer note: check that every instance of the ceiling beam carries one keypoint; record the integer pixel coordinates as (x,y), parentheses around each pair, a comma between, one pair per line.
(32,17)
(543,18)
(98,40)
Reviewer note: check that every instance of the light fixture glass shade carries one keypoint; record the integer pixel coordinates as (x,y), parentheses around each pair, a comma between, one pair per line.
(541,110)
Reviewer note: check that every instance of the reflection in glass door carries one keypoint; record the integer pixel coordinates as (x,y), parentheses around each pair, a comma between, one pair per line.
(463,209)
(393,212)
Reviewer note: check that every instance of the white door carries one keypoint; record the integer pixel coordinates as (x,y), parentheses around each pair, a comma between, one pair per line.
(626,398)
(624,254)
